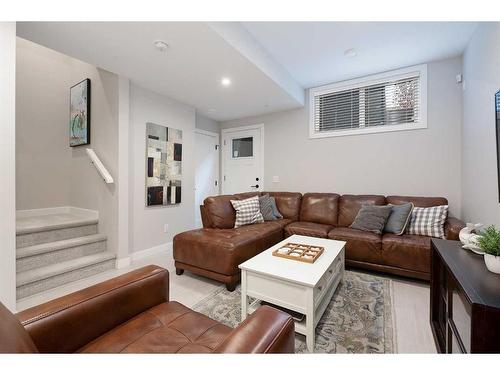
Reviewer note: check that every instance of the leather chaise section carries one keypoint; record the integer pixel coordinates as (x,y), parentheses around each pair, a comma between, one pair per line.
(223,250)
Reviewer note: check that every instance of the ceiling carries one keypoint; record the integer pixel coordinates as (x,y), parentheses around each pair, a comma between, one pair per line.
(269,63)
(313,52)
(189,71)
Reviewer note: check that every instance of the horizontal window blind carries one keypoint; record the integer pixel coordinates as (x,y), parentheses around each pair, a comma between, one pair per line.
(394,102)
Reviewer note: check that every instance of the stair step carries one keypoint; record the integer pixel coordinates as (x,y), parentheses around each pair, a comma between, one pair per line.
(37,280)
(41,255)
(51,233)
(43,224)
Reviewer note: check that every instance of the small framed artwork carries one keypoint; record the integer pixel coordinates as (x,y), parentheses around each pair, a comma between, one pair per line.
(79,118)
(497,125)
(163,165)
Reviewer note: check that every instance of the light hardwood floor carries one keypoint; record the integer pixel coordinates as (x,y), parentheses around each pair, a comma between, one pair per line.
(411,300)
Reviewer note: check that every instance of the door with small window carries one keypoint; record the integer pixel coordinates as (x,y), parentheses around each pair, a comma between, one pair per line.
(242,159)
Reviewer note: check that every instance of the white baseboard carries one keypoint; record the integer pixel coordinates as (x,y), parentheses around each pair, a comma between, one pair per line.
(123,262)
(57,210)
(165,248)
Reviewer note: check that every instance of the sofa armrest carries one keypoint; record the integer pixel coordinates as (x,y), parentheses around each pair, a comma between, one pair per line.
(267,330)
(452,228)
(68,323)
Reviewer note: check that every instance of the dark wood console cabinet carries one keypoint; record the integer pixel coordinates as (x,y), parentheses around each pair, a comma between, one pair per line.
(465,301)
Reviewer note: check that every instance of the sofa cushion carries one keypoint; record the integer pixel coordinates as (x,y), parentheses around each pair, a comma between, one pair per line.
(407,251)
(166,328)
(220,211)
(360,246)
(417,201)
(223,250)
(349,205)
(288,203)
(308,229)
(371,218)
(320,208)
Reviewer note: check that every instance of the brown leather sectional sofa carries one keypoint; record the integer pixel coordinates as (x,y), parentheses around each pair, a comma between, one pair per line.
(216,250)
(132,314)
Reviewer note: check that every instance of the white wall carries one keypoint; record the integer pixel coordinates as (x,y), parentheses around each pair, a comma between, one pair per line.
(49,173)
(7,165)
(147,223)
(481,65)
(418,162)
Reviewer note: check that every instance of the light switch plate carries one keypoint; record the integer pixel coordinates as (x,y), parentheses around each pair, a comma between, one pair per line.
(276,179)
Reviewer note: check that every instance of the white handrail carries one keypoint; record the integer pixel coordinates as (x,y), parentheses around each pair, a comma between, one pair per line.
(99,166)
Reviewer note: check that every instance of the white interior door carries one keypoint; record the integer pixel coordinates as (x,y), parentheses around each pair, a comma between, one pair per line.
(206,180)
(243,159)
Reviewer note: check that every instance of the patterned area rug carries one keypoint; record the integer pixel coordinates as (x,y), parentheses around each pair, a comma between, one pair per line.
(359,318)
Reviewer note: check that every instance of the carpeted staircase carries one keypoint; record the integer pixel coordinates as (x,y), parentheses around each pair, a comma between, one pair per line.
(56,249)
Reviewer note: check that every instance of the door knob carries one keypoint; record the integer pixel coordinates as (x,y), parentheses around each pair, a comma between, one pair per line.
(255,186)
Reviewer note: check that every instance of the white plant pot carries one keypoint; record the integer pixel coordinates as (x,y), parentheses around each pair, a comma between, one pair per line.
(492,263)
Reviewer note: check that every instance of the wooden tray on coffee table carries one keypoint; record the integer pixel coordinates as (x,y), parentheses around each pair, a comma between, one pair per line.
(299,252)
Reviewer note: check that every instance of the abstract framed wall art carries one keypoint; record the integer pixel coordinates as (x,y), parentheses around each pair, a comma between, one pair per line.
(163,165)
(79,109)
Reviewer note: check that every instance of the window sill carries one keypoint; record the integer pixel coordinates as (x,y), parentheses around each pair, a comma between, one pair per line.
(368,130)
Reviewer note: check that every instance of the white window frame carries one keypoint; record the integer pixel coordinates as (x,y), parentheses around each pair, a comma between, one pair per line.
(420,70)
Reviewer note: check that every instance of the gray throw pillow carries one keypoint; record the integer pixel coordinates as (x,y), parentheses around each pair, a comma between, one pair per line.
(268,208)
(276,213)
(371,218)
(399,218)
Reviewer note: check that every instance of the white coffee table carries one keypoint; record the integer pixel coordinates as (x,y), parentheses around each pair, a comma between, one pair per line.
(302,287)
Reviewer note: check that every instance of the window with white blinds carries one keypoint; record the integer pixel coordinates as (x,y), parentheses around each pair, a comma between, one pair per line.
(386,102)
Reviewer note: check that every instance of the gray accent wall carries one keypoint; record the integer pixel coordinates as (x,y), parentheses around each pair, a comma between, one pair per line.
(423,162)
(481,64)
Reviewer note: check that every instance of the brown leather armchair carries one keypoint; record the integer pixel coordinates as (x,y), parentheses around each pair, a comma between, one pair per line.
(132,314)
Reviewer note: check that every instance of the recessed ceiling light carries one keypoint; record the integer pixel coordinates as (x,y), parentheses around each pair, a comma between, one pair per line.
(351,52)
(160,45)
(225,81)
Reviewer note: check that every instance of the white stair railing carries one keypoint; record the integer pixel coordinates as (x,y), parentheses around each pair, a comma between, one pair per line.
(99,166)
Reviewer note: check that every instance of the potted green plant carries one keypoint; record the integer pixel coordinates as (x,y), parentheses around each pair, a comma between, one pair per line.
(489,241)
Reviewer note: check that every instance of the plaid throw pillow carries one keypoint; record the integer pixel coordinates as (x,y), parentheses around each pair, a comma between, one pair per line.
(428,221)
(247,211)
